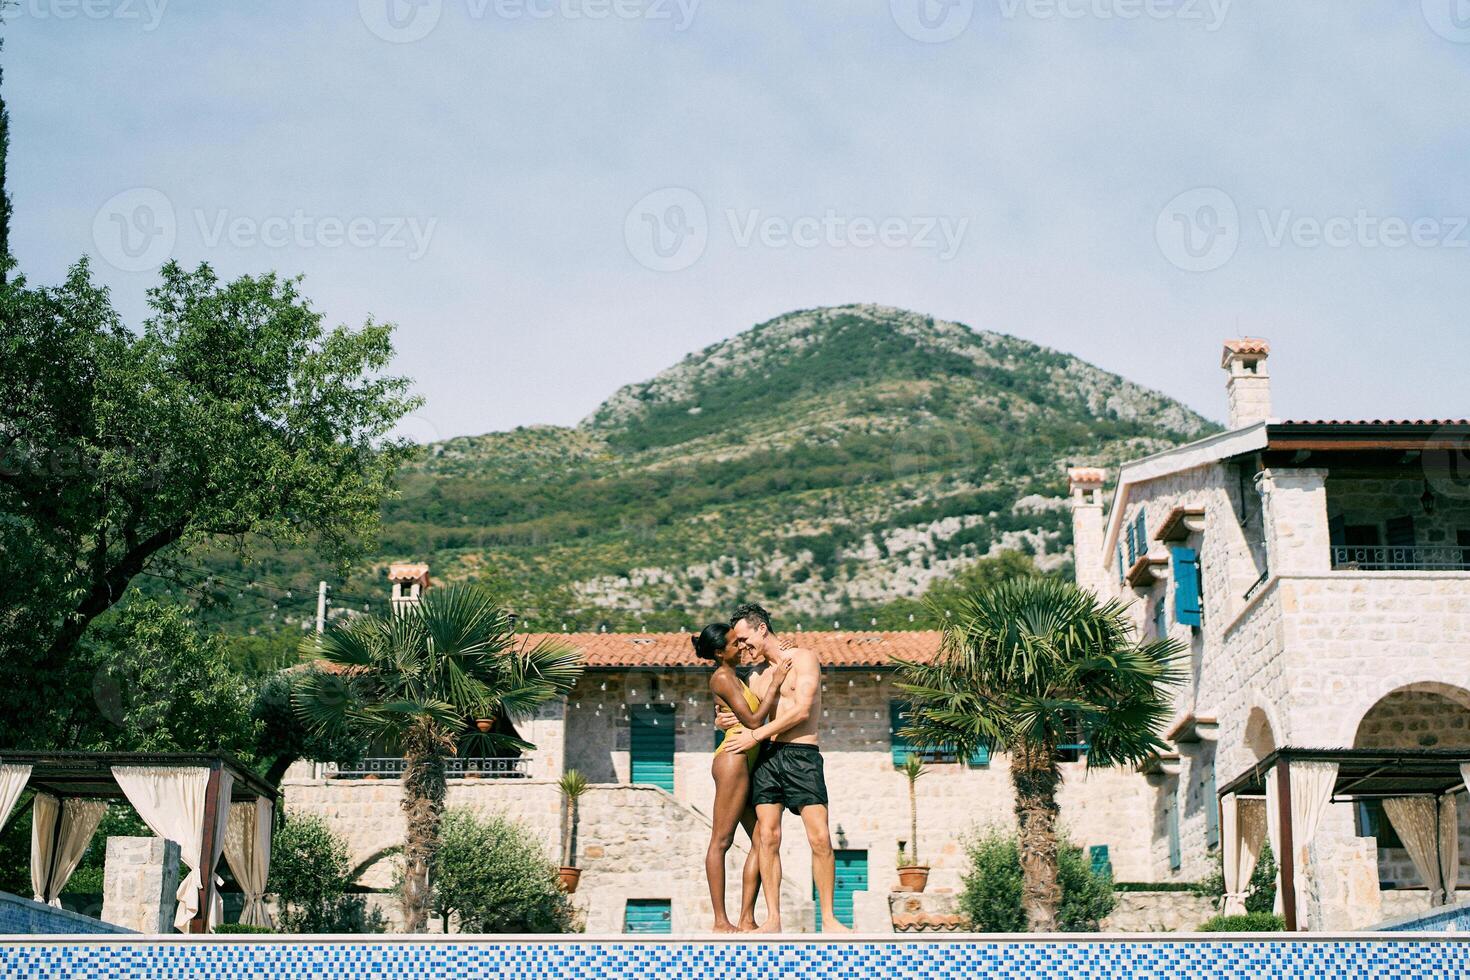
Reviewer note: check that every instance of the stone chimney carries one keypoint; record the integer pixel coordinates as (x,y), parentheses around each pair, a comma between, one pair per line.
(409,580)
(1248,384)
(1085,485)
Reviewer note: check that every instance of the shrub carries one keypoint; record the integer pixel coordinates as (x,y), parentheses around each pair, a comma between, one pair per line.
(1250,922)
(310,875)
(494,875)
(238,928)
(992,895)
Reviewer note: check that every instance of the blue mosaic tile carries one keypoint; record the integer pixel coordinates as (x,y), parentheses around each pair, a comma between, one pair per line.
(1381,959)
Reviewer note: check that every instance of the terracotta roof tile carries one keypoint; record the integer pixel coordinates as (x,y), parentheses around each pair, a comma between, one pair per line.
(833,648)
(1248,345)
(929,922)
(1423,422)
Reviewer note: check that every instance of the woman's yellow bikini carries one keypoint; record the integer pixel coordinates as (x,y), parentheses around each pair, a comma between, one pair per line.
(754,704)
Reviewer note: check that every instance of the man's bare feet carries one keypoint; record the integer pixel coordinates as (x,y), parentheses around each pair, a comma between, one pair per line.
(724,926)
(830,924)
(771,925)
(748,924)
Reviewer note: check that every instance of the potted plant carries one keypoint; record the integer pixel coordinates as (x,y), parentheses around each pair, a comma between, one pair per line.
(573,784)
(912,875)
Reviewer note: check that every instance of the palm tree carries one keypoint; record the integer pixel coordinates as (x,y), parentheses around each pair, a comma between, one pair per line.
(417,678)
(572,784)
(1030,665)
(913,769)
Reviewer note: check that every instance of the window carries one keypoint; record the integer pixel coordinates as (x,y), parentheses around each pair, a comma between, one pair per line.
(648,915)
(852,876)
(1074,744)
(1462,538)
(1401,532)
(902,748)
(1102,864)
(1188,599)
(1373,822)
(651,745)
(1161,618)
(1171,818)
(1212,811)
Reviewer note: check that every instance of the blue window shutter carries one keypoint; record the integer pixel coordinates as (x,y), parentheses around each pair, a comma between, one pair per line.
(1212,812)
(1188,608)
(652,746)
(897,718)
(1141,532)
(980,757)
(1122,568)
(1176,859)
(648,915)
(1102,864)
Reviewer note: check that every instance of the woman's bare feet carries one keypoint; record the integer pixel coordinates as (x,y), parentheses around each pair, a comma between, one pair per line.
(771,925)
(747,924)
(830,924)
(723,925)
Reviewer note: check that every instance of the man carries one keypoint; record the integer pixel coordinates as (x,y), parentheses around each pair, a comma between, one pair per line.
(789,773)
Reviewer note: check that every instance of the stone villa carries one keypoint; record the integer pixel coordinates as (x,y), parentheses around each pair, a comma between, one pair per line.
(1319,571)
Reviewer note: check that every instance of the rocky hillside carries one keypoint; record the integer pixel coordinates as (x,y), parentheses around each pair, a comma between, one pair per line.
(826,462)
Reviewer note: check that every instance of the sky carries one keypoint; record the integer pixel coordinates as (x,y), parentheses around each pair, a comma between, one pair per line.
(554,198)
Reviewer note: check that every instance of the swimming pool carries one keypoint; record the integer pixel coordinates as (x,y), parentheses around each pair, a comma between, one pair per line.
(1382,956)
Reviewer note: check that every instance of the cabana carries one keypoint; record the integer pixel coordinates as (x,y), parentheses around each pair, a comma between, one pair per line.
(207,804)
(1284,796)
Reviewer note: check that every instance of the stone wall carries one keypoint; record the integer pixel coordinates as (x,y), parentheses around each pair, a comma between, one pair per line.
(1158,912)
(140,883)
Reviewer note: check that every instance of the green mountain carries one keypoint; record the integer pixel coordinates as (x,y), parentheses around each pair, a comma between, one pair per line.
(824,462)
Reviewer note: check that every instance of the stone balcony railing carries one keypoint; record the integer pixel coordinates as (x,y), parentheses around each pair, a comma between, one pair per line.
(1398,558)
(392,768)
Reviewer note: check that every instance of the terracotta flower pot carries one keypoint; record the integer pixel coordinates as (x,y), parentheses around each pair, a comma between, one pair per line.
(569,878)
(913,878)
(484,724)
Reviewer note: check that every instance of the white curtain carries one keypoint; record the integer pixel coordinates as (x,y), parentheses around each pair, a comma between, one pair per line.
(60,833)
(1273,827)
(171,802)
(1311,794)
(1243,823)
(248,849)
(1416,821)
(13,779)
(221,824)
(1449,846)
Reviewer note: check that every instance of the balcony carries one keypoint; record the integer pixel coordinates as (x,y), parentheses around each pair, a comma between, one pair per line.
(392,768)
(1401,558)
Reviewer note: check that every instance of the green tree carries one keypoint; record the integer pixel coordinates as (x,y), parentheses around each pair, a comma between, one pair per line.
(233,416)
(416,679)
(310,875)
(991,898)
(146,680)
(493,875)
(281,737)
(1030,665)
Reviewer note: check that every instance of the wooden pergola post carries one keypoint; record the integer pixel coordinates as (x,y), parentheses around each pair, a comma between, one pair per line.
(200,923)
(1284,860)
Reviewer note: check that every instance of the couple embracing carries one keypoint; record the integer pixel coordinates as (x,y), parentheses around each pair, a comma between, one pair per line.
(768,762)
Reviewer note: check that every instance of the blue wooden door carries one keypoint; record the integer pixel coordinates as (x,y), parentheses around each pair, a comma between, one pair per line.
(652,745)
(852,876)
(648,915)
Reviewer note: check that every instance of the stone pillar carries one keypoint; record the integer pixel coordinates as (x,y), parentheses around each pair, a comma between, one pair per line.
(1298,541)
(1247,386)
(1087,527)
(141,879)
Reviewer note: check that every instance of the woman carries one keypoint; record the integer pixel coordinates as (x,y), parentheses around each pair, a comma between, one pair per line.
(732,772)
